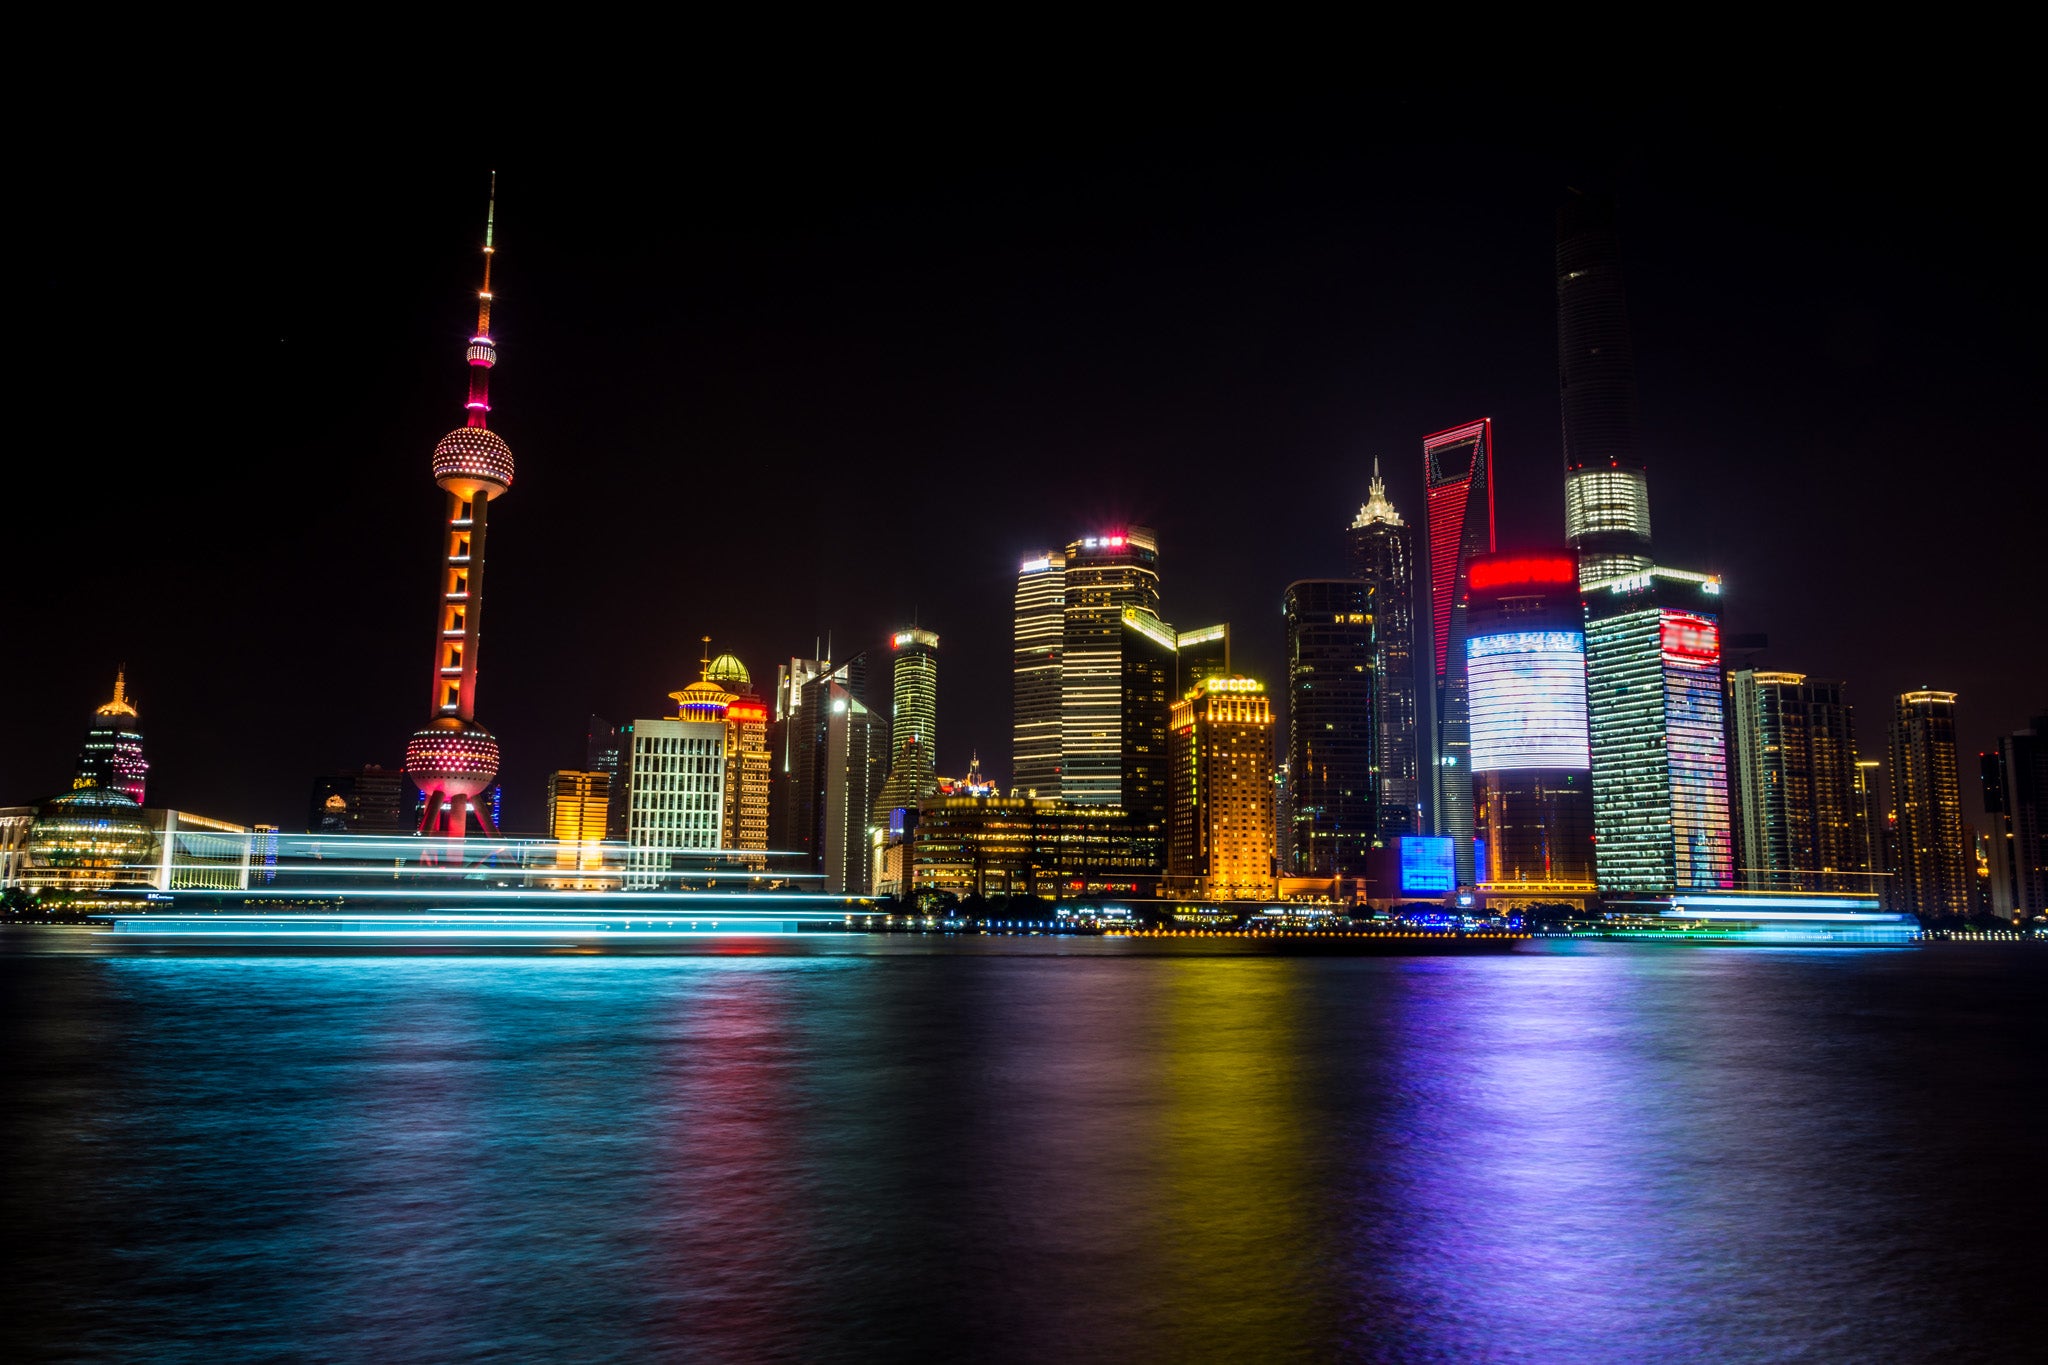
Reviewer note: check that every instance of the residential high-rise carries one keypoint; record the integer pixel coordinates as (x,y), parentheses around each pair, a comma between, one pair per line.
(1220,821)
(1458,465)
(452,759)
(579,804)
(1792,760)
(1035,697)
(112,757)
(1104,576)
(2015,791)
(1606,494)
(913,724)
(1383,555)
(1200,653)
(1660,763)
(1331,680)
(1930,854)
(1525,655)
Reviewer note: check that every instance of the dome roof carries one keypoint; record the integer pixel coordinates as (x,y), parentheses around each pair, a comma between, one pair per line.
(727,668)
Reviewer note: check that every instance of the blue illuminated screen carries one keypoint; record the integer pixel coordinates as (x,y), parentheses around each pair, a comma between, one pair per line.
(1427,867)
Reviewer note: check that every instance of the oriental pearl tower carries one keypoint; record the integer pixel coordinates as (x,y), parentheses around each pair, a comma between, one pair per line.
(452,758)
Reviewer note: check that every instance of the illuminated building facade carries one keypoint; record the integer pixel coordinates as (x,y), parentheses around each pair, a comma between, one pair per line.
(1383,556)
(1868,810)
(1219,833)
(2015,778)
(1606,493)
(676,797)
(88,839)
(913,723)
(16,824)
(1525,666)
(1660,765)
(1035,685)
(198,853)
(1929,852)
(1199,655)
(1331,679)
(1792,759)
(452,759)
(1104,576)
(998,846)
(366,800)
(1458,469)
(112,757)
(579,814)
(747,762)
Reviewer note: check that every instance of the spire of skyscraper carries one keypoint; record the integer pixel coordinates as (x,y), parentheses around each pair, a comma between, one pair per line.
(120,705)
(1376,510)
(453,759)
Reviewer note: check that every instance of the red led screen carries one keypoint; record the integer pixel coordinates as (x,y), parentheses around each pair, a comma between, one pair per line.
(1533,570)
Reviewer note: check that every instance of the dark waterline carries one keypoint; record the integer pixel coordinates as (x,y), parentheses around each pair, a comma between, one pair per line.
(1027,1150)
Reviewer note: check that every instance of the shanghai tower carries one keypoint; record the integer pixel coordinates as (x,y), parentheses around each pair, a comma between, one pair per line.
(1606,494)
(452,759)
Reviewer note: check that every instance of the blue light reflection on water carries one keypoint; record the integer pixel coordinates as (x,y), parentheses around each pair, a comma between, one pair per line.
(1610,1153)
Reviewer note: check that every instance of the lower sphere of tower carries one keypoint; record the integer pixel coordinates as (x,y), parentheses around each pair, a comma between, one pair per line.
(472,460)
(460,758)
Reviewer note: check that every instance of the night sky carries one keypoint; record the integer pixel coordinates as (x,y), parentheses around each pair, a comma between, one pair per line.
(830,370)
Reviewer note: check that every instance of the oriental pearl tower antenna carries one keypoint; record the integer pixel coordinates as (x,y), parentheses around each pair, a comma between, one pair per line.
(452,758)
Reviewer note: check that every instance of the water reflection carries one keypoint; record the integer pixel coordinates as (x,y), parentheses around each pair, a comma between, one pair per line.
(1078,1152)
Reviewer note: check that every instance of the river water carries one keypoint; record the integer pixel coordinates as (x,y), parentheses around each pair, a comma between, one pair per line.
(1026,1150)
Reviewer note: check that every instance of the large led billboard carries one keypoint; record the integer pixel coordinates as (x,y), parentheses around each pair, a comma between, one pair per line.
(1428,867)
(1528,698)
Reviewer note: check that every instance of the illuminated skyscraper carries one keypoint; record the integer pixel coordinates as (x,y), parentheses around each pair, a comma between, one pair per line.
(1331,675)
(366,800)
(1383,556)
(452,758)
(112,757)
(1525,663)
(914,723)
(744,822)
(607,749)
(1792,759)
(1458,465)
(1220,820)
(1660,765)
(1104,575)
(1035,678)
(1867,809)
(1606,495)
(1930,854)
(850,762)
(579,805)
(1147,664)
(790,828)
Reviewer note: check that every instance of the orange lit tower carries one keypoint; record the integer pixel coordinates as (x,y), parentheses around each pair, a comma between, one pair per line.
(452,758)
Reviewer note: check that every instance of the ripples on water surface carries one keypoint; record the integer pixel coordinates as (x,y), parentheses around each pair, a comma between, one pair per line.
(1078,1152)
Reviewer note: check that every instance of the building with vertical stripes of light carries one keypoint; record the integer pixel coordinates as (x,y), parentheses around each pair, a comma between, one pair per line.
(1039,632)
(579,810)
(1654,706)
(1458,476)
(1105,575)
(676,801)
(913,723)
(1220,804)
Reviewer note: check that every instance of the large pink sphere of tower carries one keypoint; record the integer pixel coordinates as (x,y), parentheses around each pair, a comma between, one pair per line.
(473,460)
(452,756)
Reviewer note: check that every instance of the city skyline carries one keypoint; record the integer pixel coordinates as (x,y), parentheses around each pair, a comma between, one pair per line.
(1229,556)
